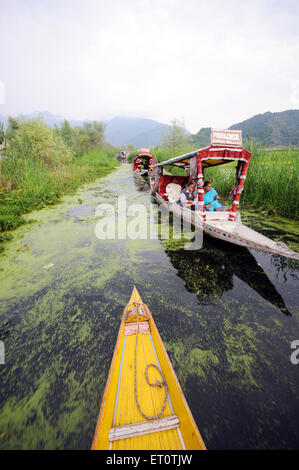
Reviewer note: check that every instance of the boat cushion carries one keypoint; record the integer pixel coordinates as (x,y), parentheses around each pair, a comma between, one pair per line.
(165,180)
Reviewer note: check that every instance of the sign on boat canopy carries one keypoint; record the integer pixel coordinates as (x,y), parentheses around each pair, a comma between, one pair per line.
(226,137)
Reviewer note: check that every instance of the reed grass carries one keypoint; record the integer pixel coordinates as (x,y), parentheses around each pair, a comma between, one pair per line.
(271,183)
(29,184)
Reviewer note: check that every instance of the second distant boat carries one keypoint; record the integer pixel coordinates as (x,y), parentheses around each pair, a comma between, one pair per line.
(142,162)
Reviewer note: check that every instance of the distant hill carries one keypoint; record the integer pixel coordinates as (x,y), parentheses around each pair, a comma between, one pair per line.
(272,129)
(202,138)
(48,118)
(137,131)
(119,130)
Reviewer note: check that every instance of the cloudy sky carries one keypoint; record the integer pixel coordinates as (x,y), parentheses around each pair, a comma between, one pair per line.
(207,62)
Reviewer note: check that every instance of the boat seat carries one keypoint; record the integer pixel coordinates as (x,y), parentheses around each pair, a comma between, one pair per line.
(144,427)
(132,328)
(165,180)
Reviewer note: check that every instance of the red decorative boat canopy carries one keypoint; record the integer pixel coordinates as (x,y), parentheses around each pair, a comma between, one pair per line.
(226,147)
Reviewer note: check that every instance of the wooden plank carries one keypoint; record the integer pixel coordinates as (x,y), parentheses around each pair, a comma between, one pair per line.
(132,328)
(144,427)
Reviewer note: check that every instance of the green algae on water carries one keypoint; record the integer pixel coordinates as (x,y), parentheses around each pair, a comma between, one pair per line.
(226,317)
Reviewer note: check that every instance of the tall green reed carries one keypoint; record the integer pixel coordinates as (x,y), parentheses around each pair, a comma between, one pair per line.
(272,178)
(271,183)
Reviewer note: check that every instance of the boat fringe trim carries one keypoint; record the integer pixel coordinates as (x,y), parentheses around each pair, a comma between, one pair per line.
(144,427)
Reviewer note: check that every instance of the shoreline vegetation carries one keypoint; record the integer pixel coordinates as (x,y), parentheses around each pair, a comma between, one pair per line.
(40,164)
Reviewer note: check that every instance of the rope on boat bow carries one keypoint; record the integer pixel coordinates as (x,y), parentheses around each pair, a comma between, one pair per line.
(158,383)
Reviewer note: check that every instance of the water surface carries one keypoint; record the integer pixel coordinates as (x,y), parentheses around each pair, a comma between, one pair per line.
(227,317)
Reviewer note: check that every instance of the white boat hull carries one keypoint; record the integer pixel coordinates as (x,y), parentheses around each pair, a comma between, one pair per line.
(218,226)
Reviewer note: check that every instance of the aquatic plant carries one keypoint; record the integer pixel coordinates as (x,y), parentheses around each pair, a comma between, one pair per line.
(271,184)
(34,184)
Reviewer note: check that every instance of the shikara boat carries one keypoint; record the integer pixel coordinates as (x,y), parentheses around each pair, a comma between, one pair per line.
(143,406)
(122,156)
(226,147)
(142,162)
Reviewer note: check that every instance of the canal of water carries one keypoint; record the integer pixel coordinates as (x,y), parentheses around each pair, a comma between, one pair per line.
(227,317)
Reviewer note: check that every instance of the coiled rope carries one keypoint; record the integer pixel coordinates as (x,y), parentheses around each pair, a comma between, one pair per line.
(158,383)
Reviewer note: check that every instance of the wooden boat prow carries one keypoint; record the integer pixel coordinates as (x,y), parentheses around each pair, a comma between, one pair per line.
(125,424)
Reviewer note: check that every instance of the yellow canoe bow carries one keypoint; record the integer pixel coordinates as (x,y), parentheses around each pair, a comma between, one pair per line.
(143,406)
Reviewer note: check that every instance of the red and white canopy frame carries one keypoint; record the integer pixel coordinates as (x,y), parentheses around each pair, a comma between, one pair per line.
(143,155)
(214,156)
(210,156)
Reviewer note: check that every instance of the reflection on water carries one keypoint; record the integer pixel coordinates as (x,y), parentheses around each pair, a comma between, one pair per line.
(141,182)
(210,271)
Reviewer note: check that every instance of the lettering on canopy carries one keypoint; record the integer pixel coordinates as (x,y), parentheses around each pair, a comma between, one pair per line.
(144,150)
(226,137)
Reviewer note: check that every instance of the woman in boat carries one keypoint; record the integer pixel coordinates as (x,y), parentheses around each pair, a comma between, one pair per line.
(211,198)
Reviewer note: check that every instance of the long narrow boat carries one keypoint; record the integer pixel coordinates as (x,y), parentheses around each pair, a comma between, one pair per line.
(122,156)
(224,225)
(143,406)
(142,162)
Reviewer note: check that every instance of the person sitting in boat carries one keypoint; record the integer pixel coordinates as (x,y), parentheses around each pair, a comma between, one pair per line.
(211,198)
(173,191)
(146,165)
(187,198)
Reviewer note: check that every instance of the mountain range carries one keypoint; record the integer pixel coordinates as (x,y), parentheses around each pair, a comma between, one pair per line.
(137,131)
(119,131)
(272,129)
